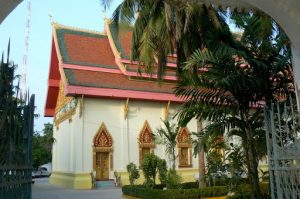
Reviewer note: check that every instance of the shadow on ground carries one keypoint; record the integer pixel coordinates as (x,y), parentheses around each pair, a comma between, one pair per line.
(41,189)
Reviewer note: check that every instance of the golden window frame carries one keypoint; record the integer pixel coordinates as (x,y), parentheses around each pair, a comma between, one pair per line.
(184,143)
(145,140)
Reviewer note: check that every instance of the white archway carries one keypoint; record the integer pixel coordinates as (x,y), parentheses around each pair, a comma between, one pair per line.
(6,7)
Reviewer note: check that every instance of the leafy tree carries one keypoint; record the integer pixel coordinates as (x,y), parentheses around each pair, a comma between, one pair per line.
(133,172)
(149,168)
(167,136)
(227,83)
(42,146)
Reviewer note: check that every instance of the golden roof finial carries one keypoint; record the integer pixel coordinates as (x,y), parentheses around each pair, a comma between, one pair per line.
(51,18)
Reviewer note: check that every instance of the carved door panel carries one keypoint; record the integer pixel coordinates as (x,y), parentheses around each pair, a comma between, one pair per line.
(102,165)
(183,157)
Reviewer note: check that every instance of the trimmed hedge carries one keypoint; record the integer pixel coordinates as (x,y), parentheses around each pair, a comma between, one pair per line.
(143,192)
(247,196)
(244,192)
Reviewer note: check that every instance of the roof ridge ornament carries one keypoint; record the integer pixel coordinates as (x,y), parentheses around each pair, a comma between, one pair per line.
(57,25)
(51,19)
(104,14)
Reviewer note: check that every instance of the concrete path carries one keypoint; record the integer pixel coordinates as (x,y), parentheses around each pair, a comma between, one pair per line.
(41,189)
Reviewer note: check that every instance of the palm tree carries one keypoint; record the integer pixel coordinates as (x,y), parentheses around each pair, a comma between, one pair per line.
(238,75)
(199,150)
(162,27)
(168,137)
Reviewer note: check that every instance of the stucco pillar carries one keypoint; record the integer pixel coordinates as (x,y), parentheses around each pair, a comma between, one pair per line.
(125,150)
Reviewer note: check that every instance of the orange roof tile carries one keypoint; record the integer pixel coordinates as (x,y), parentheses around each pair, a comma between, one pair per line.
(114,80)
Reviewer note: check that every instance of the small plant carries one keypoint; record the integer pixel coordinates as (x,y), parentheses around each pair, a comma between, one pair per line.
(167,136)
(173,180)
(133,173)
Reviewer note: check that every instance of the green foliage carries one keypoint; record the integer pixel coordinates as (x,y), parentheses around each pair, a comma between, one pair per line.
(173,180)
(42,146)
(244,191)
(238,74)
(147,193)
(168,137)
(190,185)
(16,118)
(215,167)
(163,27)
(133,172)
(150,168)
(215,162)
(162,171)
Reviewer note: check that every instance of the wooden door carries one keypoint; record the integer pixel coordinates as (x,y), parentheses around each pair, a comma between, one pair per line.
(102,166)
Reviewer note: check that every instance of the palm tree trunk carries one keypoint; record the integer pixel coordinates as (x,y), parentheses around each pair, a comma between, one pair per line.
(201,159)
(174,160)
(252,165)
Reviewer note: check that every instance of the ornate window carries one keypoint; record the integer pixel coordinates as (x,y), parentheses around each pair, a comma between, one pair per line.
(184,148)
(146,142)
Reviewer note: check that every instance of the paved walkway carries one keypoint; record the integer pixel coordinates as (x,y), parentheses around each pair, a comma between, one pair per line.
(41,189)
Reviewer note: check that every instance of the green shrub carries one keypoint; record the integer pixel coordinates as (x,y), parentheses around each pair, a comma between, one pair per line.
(162,171)
(190,185)
(143,192)
(244,191)
(173,180)
(247,195)
(149,168)
(133,172)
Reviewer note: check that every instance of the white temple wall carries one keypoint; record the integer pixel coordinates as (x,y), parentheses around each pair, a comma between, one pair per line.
(73,149)
(62,147)
(96,112)
(111,112)
(76,139)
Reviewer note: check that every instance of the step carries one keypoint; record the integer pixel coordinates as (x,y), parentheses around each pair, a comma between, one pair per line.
(105,183)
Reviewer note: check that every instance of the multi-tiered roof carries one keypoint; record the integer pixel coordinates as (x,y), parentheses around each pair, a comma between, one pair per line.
(97,64)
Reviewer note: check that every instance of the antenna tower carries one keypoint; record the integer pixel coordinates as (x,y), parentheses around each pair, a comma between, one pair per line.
(23,82)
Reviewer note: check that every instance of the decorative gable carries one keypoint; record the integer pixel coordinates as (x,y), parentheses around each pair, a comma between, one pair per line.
(146,137)
(103,138)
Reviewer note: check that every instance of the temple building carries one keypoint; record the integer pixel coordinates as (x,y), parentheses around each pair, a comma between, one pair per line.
(105,111)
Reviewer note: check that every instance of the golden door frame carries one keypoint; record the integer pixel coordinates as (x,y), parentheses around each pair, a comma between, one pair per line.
(184,142)
(103,142)
(145,140)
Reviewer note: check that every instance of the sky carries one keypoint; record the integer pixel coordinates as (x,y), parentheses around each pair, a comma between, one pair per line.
(76,13)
